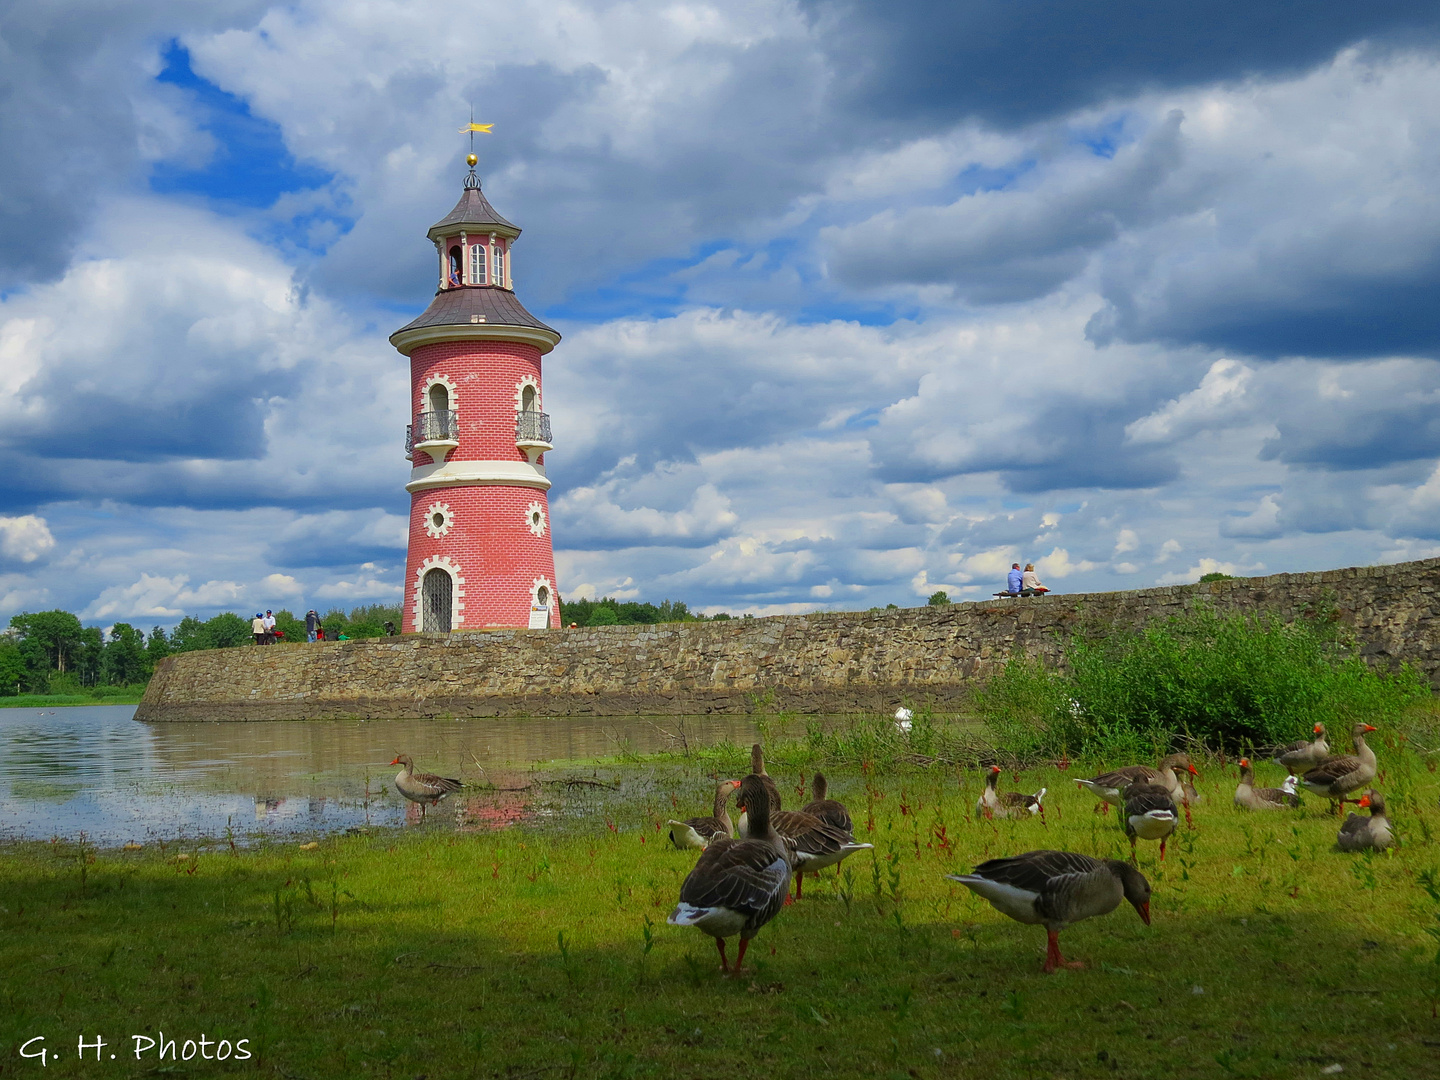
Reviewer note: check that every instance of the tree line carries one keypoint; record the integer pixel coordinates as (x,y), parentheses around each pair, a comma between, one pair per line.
(51,652)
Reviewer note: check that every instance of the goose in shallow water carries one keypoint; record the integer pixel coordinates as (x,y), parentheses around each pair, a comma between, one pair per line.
(1056,889)
(422,788)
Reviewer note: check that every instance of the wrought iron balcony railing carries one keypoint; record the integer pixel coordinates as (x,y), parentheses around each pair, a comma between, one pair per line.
(441,426)
(532,427)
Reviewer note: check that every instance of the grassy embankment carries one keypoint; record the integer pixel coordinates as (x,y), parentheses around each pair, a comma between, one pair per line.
(100,695)
(529,953)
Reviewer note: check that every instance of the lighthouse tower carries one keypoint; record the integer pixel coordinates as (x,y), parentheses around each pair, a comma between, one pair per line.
(479,552)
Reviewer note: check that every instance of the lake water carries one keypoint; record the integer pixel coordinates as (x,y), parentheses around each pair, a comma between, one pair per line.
(95,770)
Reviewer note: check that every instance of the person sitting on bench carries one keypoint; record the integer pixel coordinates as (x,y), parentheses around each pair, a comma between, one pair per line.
(1030,582)
(1015,580)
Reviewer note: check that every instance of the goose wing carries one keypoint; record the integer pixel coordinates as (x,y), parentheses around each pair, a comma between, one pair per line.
(1035,870)
(748,877)
(1331,770)
(437,785)
(1144,798)
(832,813)
(1123,778)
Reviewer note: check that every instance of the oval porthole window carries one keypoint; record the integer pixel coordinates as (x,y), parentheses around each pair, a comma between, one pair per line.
(437,519)
(542,596)
(535,518)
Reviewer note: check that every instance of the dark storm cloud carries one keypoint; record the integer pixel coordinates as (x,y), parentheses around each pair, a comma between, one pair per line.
(72,82)
(1010,62)
(1366,417)
(1012,245)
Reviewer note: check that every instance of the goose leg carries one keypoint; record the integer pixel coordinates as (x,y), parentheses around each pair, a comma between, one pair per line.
(740,960)
(1133,860)
(1162,849)
(1053,960)
(799,884)
(724,963)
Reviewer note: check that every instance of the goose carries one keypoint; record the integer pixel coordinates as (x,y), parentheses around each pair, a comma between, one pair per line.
(1302,754)
(422,788)
(1336,777)
(698,832)
(1110,787)
(827,810)
(1188,795)
(1056,889)
(757,768)
(737,886)
(993,803)
(1149,815)
(816,843)
(1249,797)
(1359,833)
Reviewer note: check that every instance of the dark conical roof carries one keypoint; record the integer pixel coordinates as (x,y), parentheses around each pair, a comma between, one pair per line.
(473,209)
(475,305)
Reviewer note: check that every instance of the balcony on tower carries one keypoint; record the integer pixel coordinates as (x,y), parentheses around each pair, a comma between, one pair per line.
(435,432)
(532,433)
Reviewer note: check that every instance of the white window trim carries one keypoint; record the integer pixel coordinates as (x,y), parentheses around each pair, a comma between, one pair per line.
(457,591)
(528,380)
(530,512)
(431,380)
(479,263)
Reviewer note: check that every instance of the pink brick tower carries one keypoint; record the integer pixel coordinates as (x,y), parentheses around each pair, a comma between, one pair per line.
(480,551)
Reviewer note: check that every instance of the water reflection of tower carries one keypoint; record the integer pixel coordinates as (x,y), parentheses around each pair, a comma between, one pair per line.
(479,547)
(265,805)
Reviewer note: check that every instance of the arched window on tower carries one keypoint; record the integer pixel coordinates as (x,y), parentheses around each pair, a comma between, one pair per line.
(436,598)
(439,421)
(477,264)
(456,267)
(528,402)
(499,275)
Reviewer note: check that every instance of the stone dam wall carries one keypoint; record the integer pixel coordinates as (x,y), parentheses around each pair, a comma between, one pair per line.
(834,662)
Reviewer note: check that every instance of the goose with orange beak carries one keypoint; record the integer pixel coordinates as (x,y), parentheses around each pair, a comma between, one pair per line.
(1056,889)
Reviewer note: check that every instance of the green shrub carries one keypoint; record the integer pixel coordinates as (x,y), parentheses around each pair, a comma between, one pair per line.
(939,598)
(1233,682)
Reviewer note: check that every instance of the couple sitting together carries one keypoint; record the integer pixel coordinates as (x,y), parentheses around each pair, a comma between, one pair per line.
(1024,583)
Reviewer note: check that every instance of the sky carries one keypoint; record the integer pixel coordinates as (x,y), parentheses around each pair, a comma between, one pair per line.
(859,301)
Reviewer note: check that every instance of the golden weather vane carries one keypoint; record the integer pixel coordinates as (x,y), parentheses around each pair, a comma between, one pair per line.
(472,128)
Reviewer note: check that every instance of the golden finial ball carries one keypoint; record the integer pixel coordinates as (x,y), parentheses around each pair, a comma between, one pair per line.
(471,159)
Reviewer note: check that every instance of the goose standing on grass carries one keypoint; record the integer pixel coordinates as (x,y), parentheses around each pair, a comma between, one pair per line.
(422,788)
(697,832)
(1249,797)
(994,803)
(757,768)
(1303,754)
(1110,787)
(738,885)
(1336,777)
(814,843)
(1372,833)
(1150,814)
(826,809)
(1056,889)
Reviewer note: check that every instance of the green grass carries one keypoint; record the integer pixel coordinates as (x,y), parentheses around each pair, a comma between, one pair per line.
(105,695)
(538,953)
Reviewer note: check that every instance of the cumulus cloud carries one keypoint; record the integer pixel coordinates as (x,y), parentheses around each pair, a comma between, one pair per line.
(25,539)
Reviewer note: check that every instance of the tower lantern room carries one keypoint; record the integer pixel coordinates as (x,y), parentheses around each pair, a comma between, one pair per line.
(479,548)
